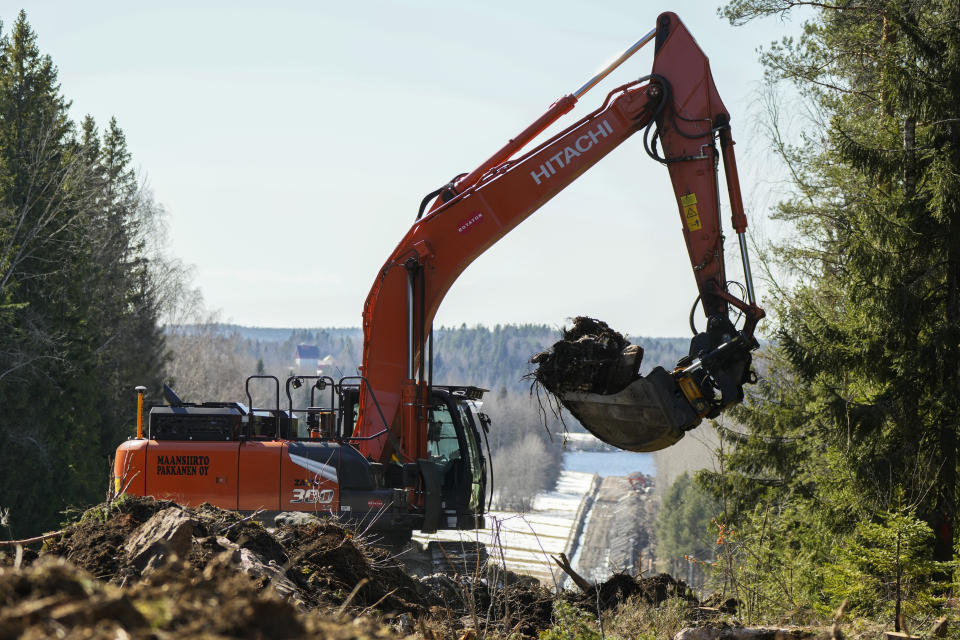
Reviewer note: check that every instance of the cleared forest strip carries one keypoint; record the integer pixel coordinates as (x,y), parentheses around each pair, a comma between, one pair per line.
(574,537)
(616,531)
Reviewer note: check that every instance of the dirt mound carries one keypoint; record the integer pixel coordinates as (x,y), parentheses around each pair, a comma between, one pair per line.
(203,572)
(317,564)
(327,565)
(591,357)
(143,568)
(177,601)
(95,543)
(621,586)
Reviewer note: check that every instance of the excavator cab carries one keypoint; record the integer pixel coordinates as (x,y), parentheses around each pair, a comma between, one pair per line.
(454,471)
(453,475)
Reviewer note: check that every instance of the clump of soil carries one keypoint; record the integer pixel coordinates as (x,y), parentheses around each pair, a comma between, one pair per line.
(721,604)
(328,565)
(591,357)
(621,586)
(523,607)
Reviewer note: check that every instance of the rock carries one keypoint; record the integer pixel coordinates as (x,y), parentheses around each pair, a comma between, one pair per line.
(254,566)
(624,369)
(167,532)
(295,519)
(226,544)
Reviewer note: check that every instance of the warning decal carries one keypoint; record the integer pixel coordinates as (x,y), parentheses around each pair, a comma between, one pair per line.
(690,212)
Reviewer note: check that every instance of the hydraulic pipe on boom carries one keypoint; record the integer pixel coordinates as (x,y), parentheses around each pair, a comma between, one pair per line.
(561,107)
(592,82)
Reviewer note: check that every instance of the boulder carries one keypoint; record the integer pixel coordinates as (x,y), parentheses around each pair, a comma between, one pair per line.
(167,532)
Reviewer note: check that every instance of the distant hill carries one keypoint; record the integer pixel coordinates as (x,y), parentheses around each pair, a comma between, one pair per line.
(495,358)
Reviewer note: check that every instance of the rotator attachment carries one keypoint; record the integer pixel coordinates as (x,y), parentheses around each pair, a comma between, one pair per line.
(654,411)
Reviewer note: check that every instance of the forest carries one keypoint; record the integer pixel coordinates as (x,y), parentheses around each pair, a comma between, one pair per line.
(837,482)
(834,482)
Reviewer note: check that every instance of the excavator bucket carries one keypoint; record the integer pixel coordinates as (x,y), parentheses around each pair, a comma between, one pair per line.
(649,414)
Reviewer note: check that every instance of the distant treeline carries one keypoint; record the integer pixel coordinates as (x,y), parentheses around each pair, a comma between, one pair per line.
(494,358)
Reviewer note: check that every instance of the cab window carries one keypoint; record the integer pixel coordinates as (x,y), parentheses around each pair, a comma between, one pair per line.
(442,442)
(476,459)
(467,421)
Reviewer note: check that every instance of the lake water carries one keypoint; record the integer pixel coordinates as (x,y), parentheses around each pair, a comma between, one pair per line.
(609,463)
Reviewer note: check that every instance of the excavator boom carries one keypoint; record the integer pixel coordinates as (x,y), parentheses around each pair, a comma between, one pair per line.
(683,120)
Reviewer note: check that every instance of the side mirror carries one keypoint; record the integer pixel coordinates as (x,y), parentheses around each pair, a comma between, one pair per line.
(485,421)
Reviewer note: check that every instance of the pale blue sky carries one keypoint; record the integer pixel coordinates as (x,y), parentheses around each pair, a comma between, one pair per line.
(291,145)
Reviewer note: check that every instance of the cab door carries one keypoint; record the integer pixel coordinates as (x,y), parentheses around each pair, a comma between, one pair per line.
(454,455)
(473,453)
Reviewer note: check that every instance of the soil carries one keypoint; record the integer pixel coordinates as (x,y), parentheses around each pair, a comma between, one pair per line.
(241,580)
(330,564)
(591,357)
(94,543)
(620,587)
(523,607)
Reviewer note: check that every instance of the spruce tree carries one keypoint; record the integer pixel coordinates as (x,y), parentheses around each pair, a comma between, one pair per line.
(871,330)
(77,296)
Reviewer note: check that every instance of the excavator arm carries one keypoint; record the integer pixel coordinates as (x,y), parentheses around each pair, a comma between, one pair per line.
(684,125)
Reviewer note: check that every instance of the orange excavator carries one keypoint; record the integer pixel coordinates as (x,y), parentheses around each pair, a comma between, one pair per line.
(389,447)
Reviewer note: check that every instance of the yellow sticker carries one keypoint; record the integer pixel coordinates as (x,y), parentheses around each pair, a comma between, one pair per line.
(116,485)
(690,212)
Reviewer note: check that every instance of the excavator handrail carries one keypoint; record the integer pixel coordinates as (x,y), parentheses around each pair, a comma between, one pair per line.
(262,377)
(362,438)
(313,388)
